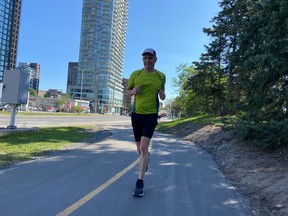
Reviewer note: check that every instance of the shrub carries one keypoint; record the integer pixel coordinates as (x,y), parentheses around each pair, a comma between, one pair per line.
(269,136)
(76,109)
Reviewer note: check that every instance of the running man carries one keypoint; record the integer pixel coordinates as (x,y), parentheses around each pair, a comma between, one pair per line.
(148,85)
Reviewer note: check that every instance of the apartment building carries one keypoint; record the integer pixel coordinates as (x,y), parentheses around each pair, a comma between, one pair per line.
(10,11)
(34,71)
(101,55)
(72,74)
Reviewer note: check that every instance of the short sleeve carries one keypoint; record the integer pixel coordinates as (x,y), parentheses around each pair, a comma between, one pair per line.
(131,81)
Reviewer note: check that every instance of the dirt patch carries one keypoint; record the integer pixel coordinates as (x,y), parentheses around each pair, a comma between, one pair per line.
(261,177)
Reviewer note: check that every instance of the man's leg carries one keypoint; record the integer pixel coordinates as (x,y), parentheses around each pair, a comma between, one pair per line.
(146,130)
(144,156)
(138,147)
(142,148)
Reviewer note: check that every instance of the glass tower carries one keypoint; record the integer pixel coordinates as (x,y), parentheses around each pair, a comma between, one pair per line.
(9,28)
(101,55)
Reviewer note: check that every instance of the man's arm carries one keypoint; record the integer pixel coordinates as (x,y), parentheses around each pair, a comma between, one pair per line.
(162,94)
(135,91)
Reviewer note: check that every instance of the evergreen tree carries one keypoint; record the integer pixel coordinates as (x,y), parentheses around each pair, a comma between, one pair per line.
(264,50)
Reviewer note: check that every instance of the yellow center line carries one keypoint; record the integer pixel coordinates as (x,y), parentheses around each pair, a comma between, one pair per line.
(98,190)
(93,193)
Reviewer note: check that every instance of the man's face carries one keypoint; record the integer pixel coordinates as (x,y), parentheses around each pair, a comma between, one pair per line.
(149,61)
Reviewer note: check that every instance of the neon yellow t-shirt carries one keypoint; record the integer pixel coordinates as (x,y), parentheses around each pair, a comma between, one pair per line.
(151,83)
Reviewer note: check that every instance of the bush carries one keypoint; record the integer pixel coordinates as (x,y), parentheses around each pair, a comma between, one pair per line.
(269,136)
(76,109)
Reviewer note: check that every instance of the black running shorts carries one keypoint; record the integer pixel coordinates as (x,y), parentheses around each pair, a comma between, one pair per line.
(143,125)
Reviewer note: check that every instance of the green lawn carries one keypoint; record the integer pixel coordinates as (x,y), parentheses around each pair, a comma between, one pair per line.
(36,113)
(21,146)
(204,119)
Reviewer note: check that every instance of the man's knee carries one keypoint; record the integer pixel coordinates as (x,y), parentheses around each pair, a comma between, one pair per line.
(143,149)
(145,141)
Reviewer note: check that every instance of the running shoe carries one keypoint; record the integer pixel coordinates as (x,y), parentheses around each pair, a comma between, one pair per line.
(139,189)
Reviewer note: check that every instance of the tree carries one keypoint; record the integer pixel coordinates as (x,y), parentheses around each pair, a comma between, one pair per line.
(243,71)
(47,94)
(60,102)
(261,60)
(264,48)
(222,51)
(32,92)
(183,100)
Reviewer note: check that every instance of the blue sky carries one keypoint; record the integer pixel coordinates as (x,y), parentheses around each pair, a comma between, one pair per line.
(50,35)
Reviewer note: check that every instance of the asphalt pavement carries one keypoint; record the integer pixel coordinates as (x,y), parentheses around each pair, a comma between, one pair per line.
(99,179)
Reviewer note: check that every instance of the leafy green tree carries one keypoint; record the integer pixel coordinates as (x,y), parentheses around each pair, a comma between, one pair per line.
(32,92)
(47,95)
(208,84)
(183,101)
(61,102)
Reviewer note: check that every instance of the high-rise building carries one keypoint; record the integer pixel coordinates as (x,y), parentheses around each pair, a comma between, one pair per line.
(126,98)
(10,11)
(101,55)
(72,74)
(34,71)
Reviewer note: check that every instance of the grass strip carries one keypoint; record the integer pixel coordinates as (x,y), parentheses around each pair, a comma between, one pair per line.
(202,119)
(22,146)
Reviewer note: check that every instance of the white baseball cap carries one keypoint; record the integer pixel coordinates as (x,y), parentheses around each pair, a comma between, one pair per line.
(149,51)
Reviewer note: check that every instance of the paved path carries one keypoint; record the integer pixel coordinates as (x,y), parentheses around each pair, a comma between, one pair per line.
(98,180)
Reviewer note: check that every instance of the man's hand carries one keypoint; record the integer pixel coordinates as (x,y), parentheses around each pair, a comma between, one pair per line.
(137,90)
(162,94)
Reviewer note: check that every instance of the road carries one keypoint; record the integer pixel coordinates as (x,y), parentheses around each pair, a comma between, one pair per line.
(99,179)
(29,121)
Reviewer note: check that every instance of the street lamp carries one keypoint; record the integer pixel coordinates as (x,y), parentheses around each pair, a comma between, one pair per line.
(81,89)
